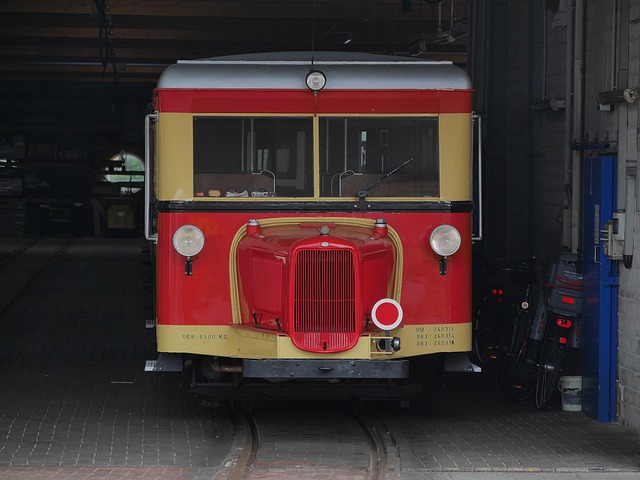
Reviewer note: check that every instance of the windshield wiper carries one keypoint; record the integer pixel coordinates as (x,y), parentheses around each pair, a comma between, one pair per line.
(362,194)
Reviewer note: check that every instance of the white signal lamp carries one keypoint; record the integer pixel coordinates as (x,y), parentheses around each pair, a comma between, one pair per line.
(188,240)
(445,240)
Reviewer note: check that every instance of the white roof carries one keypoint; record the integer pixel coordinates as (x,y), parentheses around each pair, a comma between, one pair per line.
(288,70)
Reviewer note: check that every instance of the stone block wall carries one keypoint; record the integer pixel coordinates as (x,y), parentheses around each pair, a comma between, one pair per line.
(629,291)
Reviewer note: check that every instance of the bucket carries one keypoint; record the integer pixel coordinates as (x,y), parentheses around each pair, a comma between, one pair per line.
(571,389)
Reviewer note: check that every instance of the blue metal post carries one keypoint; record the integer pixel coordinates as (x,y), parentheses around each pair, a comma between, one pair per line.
(600,311)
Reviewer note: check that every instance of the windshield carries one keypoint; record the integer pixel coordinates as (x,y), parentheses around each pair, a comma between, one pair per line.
(253,156)
(273,156)
(356,152)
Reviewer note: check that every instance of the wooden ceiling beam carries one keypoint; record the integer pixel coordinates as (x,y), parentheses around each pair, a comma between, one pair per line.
(259,9)
(44,53)
(36,78)
(87,68)
(226,31)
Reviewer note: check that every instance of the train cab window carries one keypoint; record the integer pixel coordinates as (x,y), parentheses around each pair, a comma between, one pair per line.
(253,157)
(355,152)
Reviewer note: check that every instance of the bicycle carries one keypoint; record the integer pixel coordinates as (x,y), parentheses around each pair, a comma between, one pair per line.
(513,347)
(524,373)
(563,304)
(549,369)
(490,314)
(503,322)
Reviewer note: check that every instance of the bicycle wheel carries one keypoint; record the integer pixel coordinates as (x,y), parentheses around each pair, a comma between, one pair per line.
(506,351)
(486,329)
(523,374)
(549,370)
(523,381)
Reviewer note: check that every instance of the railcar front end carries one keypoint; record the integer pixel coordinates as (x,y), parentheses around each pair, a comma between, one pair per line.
(311,215)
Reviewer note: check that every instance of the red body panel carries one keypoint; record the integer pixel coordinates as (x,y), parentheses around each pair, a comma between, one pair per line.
(304,102)
(204,298)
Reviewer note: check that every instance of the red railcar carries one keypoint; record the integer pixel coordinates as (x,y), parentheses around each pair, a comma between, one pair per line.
(311,215)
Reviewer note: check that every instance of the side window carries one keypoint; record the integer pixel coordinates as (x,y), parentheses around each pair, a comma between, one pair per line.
(253,157)
(355,152)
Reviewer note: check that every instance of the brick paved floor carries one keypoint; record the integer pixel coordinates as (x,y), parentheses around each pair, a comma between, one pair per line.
(74,392)
(106,473)
(468,426)
(75,401)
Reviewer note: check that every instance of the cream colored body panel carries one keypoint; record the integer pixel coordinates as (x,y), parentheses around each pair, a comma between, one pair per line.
(244,342)
(175,155)
(455,152)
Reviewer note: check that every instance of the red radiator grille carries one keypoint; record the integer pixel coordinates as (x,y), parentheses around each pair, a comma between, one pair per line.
(324,313)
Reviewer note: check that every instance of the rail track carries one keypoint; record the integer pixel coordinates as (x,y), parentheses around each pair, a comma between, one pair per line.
(296,444)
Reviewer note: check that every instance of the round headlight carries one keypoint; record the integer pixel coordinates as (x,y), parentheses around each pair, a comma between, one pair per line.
(316,80)
(188,240)
(445,240)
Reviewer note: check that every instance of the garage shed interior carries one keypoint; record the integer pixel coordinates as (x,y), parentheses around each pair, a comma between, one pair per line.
(556,83)
(77,77)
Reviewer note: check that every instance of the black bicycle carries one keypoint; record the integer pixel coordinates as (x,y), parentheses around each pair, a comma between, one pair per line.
(513,348)
(549,369)
(524,369)
(505,314)
(490,315)
(563,304)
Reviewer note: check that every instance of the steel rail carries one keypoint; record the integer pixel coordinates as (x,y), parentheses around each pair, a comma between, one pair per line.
(377,469)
